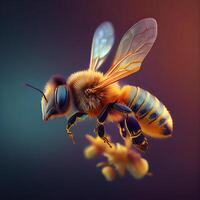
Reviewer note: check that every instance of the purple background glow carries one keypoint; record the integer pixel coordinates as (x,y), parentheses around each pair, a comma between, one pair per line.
(41,38)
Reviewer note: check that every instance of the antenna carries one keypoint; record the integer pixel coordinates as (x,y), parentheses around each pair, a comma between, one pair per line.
(28,85)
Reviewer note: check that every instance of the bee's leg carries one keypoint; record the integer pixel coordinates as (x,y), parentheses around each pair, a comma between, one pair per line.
(117,106)
(102,117)
(100,130)
(121,108)
(122,129)
(136,133)
(71,122)
(122,126)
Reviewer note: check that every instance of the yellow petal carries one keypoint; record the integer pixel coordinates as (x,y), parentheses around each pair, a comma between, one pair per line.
(98,143)
(139,168)
(90,152)
(108,173)
(121,168)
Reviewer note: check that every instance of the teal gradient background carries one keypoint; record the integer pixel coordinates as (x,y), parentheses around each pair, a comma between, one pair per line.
(42,38)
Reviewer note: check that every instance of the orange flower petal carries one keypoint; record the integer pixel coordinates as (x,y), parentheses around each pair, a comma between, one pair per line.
(108,173)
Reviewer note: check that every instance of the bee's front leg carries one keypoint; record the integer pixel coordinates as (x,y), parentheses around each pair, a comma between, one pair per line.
(122,129)
(71,122)
(71,135)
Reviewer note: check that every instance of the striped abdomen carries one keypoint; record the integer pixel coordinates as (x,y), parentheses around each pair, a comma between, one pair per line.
(153,117)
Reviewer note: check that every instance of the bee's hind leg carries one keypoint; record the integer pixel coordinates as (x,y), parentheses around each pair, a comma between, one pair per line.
(122,128)
(136,133)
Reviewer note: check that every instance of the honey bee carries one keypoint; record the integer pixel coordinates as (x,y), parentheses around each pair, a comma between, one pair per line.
(91,93)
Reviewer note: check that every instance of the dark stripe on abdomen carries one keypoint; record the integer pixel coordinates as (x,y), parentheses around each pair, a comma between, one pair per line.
(146,107)
(157,111)
(150,112)
(133,93)
(139,99)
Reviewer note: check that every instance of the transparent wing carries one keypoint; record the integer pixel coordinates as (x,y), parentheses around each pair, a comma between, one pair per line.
(101,45)
(133,48)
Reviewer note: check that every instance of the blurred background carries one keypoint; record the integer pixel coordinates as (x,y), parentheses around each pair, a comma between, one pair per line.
(41,38)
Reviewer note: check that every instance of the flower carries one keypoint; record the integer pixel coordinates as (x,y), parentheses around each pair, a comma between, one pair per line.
(119,158)
(97,147)
(138,169)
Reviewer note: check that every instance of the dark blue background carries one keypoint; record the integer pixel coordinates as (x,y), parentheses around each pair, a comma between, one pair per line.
(41,38)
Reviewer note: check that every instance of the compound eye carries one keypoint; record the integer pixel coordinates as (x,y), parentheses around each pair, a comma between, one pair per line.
(61,97)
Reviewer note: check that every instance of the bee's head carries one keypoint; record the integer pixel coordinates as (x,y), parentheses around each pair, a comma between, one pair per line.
(56,99)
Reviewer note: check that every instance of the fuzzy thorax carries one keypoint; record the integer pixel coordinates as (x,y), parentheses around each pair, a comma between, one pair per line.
(91,103)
